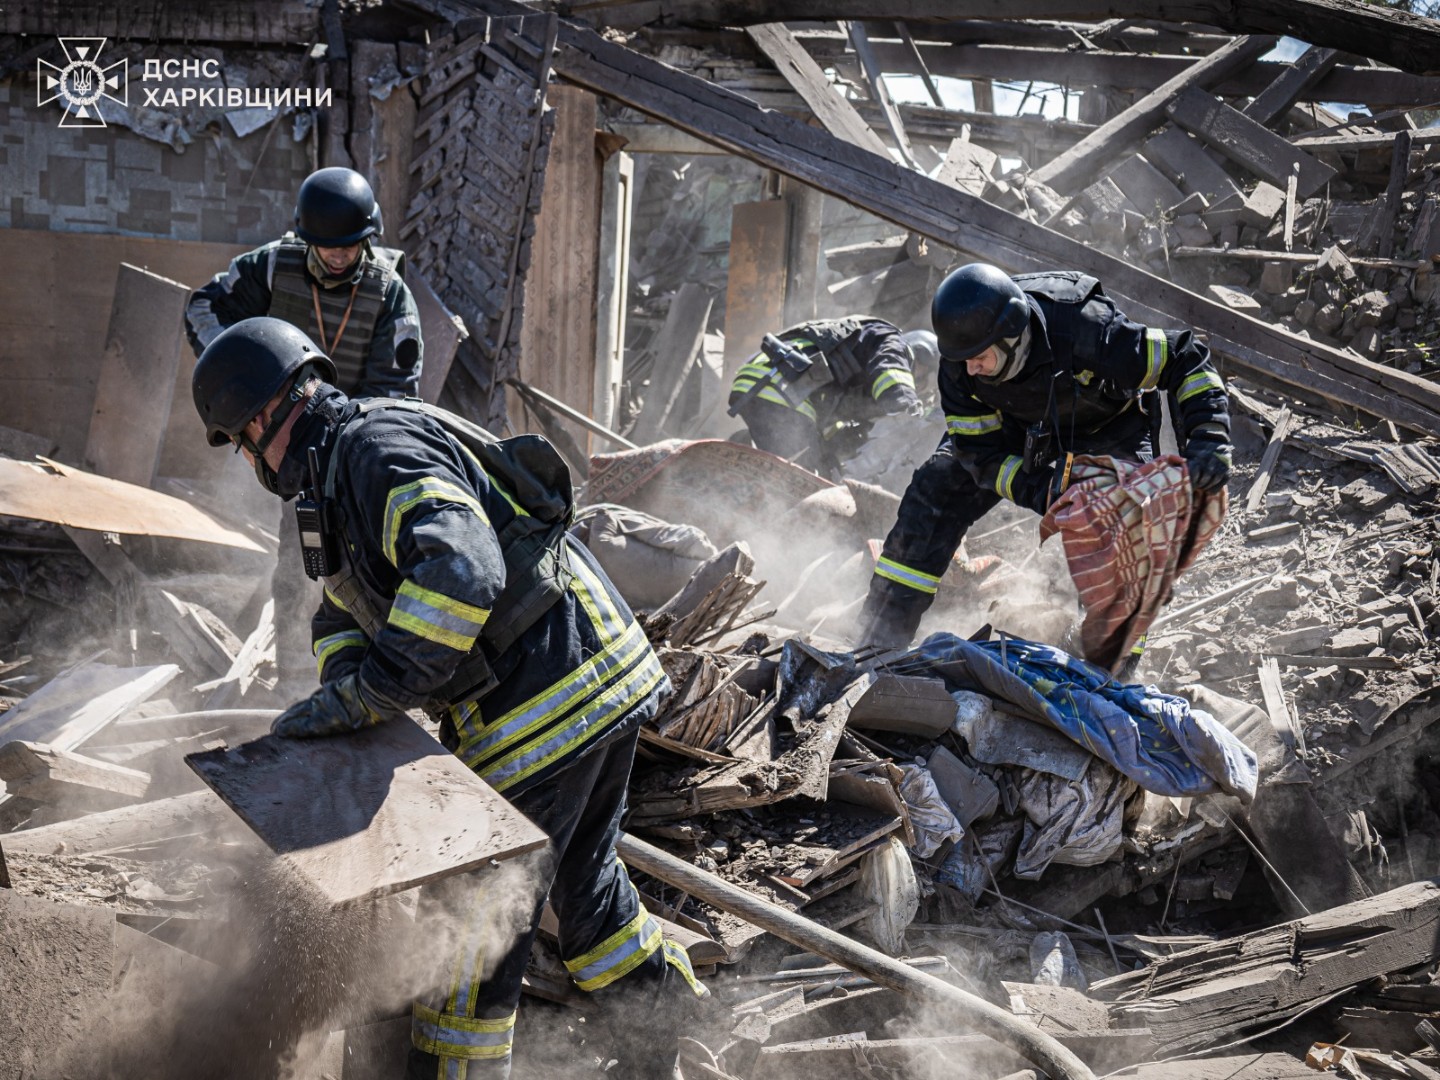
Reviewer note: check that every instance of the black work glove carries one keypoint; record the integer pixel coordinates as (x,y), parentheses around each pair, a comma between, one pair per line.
(1207,458)
(1034,493)
(337,708)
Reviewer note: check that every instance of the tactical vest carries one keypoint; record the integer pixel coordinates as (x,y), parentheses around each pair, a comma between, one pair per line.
(831,337)
(1077,319)
(537,572)
(292,298)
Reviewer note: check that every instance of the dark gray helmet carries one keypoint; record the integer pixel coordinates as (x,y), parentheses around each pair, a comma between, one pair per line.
(974,307)
(336,208)
(924,349)
(247,365)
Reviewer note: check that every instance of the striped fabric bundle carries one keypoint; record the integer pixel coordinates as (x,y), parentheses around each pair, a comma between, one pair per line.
(1130,530)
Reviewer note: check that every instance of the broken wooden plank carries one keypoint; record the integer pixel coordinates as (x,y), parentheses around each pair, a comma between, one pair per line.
(674,353)
(968,167)
(49,491)
(136,380)
(970,793)
(1399,171)
(405,810)
(808,79)
(1276,99)
(1282,719)
(197,813)
(1245,142)
(1214,993)
(72,707)
(1255,497)
(1184,160)
(1144,185)
(53,777)
(755,284)
(957,220)
(1081,162)
(874,79)
(1407,41)
(914,704)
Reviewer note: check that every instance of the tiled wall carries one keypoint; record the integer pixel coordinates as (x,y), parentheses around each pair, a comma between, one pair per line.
(116,181)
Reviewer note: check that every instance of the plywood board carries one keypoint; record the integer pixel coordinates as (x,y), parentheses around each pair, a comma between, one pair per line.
(49,491)
(755,290)
(137,376)
(364,815)
(53,321)
(441,332)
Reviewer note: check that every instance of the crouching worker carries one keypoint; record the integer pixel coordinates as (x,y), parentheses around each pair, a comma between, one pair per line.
(813,392)
(1036,369)
(451,585)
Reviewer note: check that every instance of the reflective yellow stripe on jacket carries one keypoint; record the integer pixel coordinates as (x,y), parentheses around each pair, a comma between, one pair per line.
(1197,383)
(566,715)
(982,424)
(327,647)
(757,369)
(437,617)
(403,498)
(888,378)
(1157,352)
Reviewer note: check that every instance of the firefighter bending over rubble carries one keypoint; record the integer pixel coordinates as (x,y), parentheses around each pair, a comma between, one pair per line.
(813,392)
(1036,369)
(452,585)
(332,280)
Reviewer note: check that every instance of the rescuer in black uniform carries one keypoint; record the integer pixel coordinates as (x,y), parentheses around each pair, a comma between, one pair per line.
(817,407)
(1035,369)
(453,585)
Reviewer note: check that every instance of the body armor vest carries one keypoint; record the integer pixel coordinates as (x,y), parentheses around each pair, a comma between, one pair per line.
(292,299)
(537,571)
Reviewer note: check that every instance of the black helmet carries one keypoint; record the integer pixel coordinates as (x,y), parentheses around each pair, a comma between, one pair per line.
(336,208)
(976,306)
(246,366)
(924,350)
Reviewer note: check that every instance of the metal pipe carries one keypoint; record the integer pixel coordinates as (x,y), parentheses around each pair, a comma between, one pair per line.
(573,414)
(1030,1042)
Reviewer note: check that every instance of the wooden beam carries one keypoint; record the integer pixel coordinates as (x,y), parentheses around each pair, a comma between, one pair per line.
(137,376)
(1275,100)
(1248,144)
(874,79)
(197,813)
(755,285)
(54,777)
(1078,165)
(918,61)
(1374,86)
(1409,42)
(1399,171)
(673,353)
(1211,994)
(807,78)
(957,220)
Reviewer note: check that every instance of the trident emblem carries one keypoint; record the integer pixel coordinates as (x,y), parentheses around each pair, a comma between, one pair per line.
(81,82)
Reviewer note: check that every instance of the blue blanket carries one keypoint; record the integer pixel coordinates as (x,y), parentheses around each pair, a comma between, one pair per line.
(1155,739)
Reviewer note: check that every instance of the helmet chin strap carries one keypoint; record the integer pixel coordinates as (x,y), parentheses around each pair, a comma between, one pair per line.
(1014,357)
(263,472)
